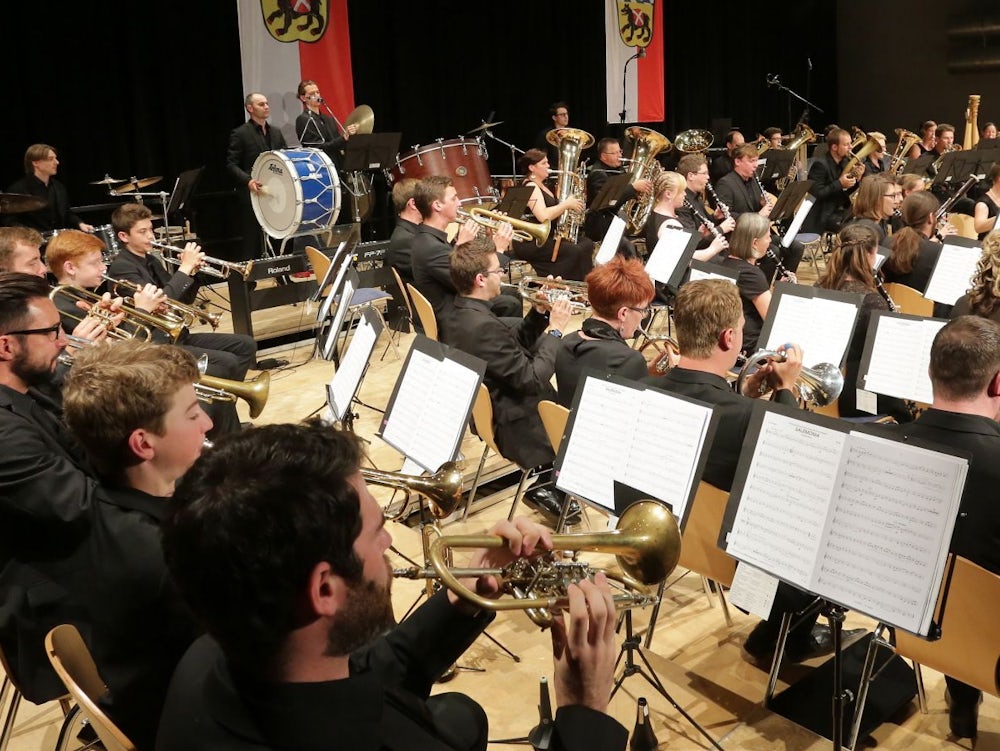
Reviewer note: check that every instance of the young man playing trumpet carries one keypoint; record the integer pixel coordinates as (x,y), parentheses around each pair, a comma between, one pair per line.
(230,356)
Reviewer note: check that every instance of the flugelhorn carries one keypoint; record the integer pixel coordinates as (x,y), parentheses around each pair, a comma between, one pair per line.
(540,290)
(646,544)
(211,266)
(523,230)
(897,161)
(254,392)
(818,385)
(138,320)
(188,314)
(443,489)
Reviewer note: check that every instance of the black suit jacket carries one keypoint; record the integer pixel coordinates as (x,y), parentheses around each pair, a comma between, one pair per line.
(134,268)
(604,349)
(429,256)
(400,253)
(977,532)
(741,196)
(833,203)
(246,143)
(734,411)
(520,362)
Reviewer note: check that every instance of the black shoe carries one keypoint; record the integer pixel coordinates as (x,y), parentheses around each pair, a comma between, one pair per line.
(548,502)
(963,719)
(820,643)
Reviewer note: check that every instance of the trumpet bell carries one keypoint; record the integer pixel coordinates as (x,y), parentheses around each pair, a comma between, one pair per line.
(253,392)
(443,489)
(523,230)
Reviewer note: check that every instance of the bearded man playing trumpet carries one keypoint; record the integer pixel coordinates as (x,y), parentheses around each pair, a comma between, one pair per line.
(230,356)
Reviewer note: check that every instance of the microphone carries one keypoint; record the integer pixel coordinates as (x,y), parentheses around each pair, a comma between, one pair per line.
(319,100)
(809,60)
(642,52)
(771,79)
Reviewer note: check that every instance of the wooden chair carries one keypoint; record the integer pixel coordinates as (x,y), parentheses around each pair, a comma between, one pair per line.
(73,663)
(700,551)
(482,419)
(425,313)
(405,294)
(10,689)
(965,224)
(554,418)
(909,301)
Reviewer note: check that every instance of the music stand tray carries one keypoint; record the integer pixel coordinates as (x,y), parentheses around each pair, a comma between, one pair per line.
(371,151)
(921,164)
(609,192)
(776,164)
(789,200)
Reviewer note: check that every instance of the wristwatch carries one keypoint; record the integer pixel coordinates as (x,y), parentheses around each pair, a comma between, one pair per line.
(556,333)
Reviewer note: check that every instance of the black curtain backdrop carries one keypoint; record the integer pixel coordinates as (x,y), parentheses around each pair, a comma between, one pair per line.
(154,88)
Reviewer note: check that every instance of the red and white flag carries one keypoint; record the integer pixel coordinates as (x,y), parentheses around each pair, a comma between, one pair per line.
(283,42)
(634,27)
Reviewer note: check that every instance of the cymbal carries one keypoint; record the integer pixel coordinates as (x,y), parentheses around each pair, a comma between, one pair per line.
(363,117)
(108,180)
(16,203)
(144,182)
(484,126)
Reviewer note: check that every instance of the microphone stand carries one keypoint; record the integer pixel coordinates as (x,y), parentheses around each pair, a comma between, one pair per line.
(773,80)
(640,53)
(514,151)
(343,131)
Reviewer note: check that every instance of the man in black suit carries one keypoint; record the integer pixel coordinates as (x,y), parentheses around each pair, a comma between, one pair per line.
(609,162)
(294,589)
(965,377)
(246,143)
(722,165)
(831,189)
(40,167)
(408,219)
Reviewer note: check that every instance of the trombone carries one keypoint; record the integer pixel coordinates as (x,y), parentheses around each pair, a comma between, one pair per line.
(523,230)
(140,321)
(187,314)
(211,266)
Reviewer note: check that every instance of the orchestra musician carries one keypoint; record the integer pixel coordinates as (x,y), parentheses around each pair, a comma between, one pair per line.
(722,165)
(914,254)
(831,188)
(20,251)
(574,260)
(983,297)
(692,213)
(877,161)
(559,114)
(671,191)
(965,379)
(405,231)
(747,245)
(317,129)
(928,138)
(988,205)
(619,293)
(40,166)
(303,650)
(989,132)
(851,268)
(609,162)
(878,198)
(944,141)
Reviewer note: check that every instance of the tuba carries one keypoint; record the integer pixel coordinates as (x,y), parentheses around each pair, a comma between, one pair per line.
(865,145)
(643,166)
(571,142)
(646,544)
(898,159)
(801,136)
(819,385)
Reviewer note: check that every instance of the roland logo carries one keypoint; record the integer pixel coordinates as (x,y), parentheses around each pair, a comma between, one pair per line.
(275,168)
(278,269)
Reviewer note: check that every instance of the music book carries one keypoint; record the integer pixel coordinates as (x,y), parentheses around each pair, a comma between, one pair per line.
(431,402)
(820,321)
(897,354)
(612,238)
(709,270)
(953,272)
(657,447)
(671,255)
(857,519)
(344,385)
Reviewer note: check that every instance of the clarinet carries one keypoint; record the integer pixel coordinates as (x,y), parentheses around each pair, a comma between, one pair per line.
(718,201)
(783,273)
(884,292)
(704,219)
(763,193)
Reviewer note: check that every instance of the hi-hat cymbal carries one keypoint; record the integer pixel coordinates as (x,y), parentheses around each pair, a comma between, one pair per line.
(108,180)
(363,117)
(135,184)
(484,126)
(16,203)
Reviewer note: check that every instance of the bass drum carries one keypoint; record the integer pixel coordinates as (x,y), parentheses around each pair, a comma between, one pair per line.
(301,194)
(462,159)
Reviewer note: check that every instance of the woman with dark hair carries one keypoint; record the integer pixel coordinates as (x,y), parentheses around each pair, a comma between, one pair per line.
(878,197)
(748,244)
(567,260)
(988,205)
(914,254)
(983,298)
(619,293)
(851,268)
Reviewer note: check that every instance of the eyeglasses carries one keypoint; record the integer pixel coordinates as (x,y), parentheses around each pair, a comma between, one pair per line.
(500,270)
(645,311)
(51,331)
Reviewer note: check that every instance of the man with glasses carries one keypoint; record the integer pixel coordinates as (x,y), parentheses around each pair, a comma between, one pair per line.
(559,112)
(831,189)
(609,156)
(520,361)
(694,214)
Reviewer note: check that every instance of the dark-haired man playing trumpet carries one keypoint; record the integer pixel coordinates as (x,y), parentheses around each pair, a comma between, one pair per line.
(230,356)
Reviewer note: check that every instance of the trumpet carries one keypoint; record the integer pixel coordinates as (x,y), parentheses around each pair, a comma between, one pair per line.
(140,321)
(254,392)
(819,385)
(646,544)
(211,266)
(187,314)
(540,290)
(523,230)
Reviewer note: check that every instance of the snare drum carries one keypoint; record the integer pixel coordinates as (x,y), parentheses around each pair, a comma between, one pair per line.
(301,194)
(462,159)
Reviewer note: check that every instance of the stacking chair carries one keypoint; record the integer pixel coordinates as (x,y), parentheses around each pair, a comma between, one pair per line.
(10,689)
(909,301)
(554,418)
(965,225)
(73,663)
(406,297)
(425,313)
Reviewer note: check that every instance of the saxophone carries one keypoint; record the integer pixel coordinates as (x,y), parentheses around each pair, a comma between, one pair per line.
(570,142)
(643,166)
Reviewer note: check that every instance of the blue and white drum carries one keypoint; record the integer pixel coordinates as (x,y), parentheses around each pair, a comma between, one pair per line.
(301,194)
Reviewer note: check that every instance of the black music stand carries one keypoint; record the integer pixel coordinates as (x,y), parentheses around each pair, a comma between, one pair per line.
(777,163)
(788,202)
(607,196)
(343,388)
(371,151)
(921,164)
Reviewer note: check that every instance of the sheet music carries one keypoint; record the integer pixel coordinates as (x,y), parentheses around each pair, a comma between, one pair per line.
(786,497)
(952,276)
(821,327)
(609,246)
(901,353)
(428,416)
(658,444)
(698,274)
(800,216)
(888,532)
(667,254)
(345,380)
(753,590)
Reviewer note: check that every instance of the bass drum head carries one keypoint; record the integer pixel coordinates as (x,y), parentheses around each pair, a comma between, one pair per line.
(301,193)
